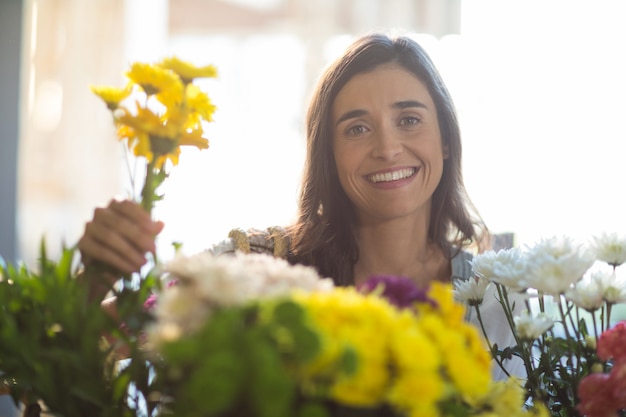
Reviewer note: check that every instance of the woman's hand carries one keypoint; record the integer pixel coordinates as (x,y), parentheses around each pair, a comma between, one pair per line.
(118,237)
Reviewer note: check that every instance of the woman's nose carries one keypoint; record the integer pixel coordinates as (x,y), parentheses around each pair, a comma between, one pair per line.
(387,145)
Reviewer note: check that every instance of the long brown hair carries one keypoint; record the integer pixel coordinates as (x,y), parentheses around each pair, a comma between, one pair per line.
(324,233)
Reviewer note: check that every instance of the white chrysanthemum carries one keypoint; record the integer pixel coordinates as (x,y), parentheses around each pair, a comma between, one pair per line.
(613,288)
(471,291)
(555,264)
(530,328)
(506,267)
(207,282)
(234,280)
(610,248)
(183,306)
(586,294)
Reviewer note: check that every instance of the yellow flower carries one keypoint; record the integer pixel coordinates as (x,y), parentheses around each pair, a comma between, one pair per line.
(187,71)
(199,103)
(450,310)
(112,96)
(194,138)
(149,136)
(505,398)
(348,320)
(365,388)
(470,373)
(154,79)
(417,363)
(146,121)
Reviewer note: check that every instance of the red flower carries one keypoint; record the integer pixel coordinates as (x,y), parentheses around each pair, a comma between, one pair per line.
(617,384)
(612,343)
(596,399)
(602,394)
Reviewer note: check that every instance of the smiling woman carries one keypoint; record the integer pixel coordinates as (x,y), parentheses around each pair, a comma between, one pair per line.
(382,191)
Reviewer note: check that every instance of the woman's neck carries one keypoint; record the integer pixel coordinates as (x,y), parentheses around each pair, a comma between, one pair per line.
(400,247)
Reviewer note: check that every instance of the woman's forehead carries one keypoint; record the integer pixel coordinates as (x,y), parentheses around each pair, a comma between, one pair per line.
(387,84)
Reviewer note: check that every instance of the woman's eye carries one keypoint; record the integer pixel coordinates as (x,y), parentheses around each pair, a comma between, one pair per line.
(409,121)
(356,130)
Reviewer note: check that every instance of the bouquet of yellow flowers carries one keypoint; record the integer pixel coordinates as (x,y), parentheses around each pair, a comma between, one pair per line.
(253,335)
(157,112)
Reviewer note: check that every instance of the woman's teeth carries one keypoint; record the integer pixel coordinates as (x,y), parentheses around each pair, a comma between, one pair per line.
(392,176)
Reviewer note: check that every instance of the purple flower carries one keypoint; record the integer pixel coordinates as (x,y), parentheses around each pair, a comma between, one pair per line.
(399,291)
(151,301)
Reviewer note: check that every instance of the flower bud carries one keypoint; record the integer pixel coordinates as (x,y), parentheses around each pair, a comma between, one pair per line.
(597,368)
(590,342)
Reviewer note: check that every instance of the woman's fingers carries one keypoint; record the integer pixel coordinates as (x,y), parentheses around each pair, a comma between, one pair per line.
(132,222)
(120,235)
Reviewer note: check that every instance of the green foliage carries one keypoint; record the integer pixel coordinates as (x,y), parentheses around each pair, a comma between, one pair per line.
(51,345)
(238,360)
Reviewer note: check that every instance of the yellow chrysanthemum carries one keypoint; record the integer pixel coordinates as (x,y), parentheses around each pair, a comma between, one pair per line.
(416,393)
(127,133)
(144,120)
(199,103)
(187,71)
(112,96)
(366,388)
(194,138)
(443,294)
(347,319)
(470,373)
(504,399)
(417,363)
(150,137)
(411,347)
(154,79)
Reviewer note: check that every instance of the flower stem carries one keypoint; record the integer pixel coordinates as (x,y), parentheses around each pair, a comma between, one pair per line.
(595,325)
(491,347)
(147,192)
(564,321)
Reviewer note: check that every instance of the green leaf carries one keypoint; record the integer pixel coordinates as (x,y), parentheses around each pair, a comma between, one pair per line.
(268,379)
(215,385)
(307,344)
(288,313)
(312,409)
(349,361)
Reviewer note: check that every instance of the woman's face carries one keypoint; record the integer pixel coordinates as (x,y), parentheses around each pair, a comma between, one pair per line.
(387,144)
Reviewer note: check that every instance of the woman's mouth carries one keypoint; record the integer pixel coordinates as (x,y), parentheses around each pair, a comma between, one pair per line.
(396,175)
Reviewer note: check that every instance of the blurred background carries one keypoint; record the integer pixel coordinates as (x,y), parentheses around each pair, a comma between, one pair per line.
(539,86)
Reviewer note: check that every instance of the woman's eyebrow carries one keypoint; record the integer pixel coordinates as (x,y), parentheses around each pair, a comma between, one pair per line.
(350,115)
(409,103)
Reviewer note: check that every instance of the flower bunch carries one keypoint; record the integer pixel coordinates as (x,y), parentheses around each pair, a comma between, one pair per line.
(159,110)
(568,290)
(235,331)
(51,346)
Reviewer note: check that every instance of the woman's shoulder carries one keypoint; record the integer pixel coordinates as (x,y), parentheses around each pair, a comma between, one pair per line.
(272,241)
(461,264)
